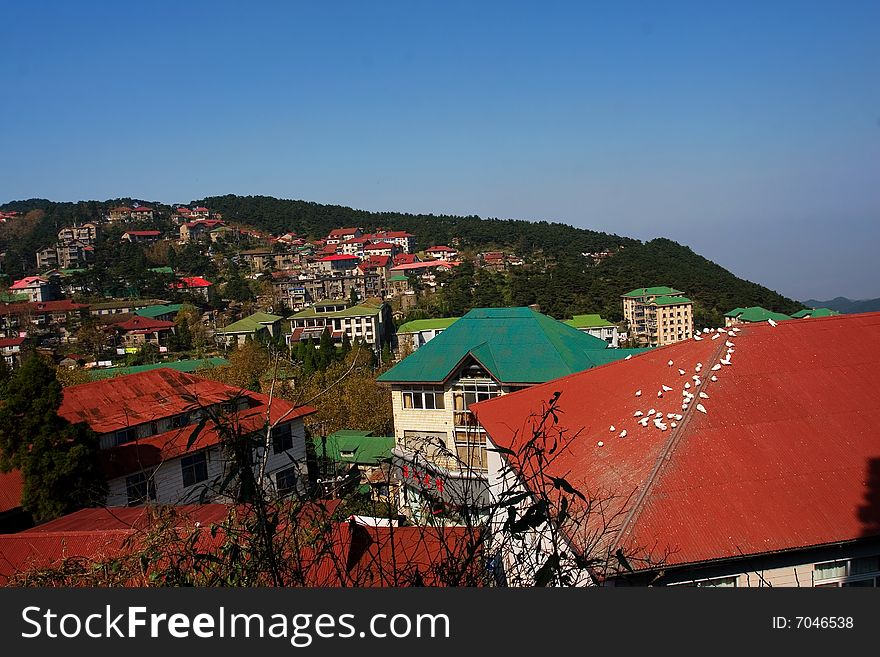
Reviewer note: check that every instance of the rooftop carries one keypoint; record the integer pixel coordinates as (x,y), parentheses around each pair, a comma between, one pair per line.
(660,291)
(360,310)
(251,323)
(815,312)
(191,365)
(515,345)
(158,310)
(426,324)
(670,301)
(780,459)
(587,321)
(756,314)
(351,446)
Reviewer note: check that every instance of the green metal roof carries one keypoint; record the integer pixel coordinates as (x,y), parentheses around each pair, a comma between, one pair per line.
(353,311)
(156,311)
(251,323)
(757,314)
(162,270)
(587,321)
(427,324)
(734,312)
(660,291)
(670,301)
(350,446)
(180,366)
(815,312)
(516,345)
(399,277)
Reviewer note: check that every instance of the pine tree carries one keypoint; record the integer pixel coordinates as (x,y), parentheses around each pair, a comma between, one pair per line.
(59,460)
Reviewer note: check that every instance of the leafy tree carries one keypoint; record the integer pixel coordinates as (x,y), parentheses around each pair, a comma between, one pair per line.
(237,289)
(92,338)
(59,460)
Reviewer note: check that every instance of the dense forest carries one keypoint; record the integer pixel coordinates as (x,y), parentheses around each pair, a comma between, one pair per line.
(556,275)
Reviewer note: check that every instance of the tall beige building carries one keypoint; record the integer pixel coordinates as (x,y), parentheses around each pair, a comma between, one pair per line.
(658,315)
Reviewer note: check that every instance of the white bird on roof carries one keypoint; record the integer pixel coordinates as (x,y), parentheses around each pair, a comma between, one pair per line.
(651,412)
(666,388)
(728,343)
(695,377)
(638,414)
(669,416)
(705,330)
(638,393)
(715,368)
(660,425)
(669,363)
(687,385)
(714,378)
(771,322)
(721,330)
(725,361)
(659,393)
(697,338)
(697,381)
(612,429)
(698,367)
(644,421)
(623,434)
(715,337)
(681,372)
(600,444)
(703,395)
(628,357)
(678,416)
(701,408)
(658,414)
(673,425)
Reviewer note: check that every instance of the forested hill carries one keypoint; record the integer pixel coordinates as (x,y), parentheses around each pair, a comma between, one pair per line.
(314,219)
(556,275)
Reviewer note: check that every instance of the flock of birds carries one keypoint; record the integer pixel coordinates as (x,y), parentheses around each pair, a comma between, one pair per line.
(669,420)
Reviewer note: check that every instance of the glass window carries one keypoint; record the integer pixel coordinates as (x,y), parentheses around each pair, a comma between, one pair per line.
(282,438)
(140,488)
(285,480)
(194,468)
(424,397)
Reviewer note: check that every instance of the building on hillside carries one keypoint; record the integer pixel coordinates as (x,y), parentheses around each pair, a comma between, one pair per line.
(144,422)
(399,285)
(141,236)
(487,353)
(62,317)
(142,213)
(38,288)
(121,213)
(199,231)
(418,332)
(195,285)
(338,264)
(441,253)
(124,213)
(406,241)
(339,235)
(388,249)
(768,478)
(658,315)
(350,459)
(369,322)
(251,327)
(86,233)
(751,315)
(123,306)
(11,350)
(139,331)
(354,246)
(596,326)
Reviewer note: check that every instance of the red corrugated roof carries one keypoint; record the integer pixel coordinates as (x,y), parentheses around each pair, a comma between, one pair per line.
(142,208)
(11,342)
(410,266)
(11,484)
(332,258)
(782,460)
(190,281)
(126,517)
(139,323)
(405,258)
(143,233)
(339,232)
(26,282)
(376,246)
(40,307)
(440,249)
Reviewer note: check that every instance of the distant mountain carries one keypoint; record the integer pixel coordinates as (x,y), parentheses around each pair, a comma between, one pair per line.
(846,306)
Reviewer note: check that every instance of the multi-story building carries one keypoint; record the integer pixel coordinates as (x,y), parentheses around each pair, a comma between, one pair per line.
(144,422)
(338,264)
(440,454)
(249,328)
(418,332)
(389,249)
(658,315)
(406,241)
(139,331)
(62,316)
(369,322)
(200,230)
(86,233)
(596,326)
(38,288)
(441,253)
(11,350)
(195,285)
(141,236)
(339,235)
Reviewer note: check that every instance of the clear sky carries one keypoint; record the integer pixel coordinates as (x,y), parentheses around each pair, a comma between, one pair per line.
(747,130)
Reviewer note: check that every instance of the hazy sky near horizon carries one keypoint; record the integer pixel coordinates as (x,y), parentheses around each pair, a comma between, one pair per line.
(749,131)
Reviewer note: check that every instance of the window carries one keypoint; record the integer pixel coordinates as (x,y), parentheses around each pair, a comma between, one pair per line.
(126,435)
(285,481)
(721,582)
(855,572)
(423,397)
(282,438)
(466,393)
(194,468)
(140,488)
(470,448)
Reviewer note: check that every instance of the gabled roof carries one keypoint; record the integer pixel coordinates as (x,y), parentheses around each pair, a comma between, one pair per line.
(11,485)
(39,307)
(339,232)
(756,314)
(251,323)
(428,264)
(143,233)
(332,258)
(138,323)
(440,249)
(28,281)
(191,281)
(142,208)
(351,446)
(780,460)
(379,246)
(417,325)
(405,258)
(11,342)
(659,291)
(155,311)
(670,301)
(587,321)
(516,345)
(361,310)
(190,365)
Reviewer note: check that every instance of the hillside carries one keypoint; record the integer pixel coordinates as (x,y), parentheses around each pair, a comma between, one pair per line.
(846,306)
(556,276)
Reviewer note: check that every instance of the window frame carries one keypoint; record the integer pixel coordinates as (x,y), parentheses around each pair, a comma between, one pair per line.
(193,463)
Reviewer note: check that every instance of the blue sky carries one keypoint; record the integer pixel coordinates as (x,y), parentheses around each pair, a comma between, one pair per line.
(749,131)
